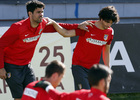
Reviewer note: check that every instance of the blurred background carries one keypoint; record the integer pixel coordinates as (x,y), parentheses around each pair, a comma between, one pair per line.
(70,11)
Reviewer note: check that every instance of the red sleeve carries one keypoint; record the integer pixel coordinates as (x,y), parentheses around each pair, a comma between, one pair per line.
(111,37)
(8,38)
(56,95)
(69,26)
(50,28)
(109,42)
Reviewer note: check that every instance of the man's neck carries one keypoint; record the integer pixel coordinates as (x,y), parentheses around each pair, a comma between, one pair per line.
(34,25)
(98,24)
(99,88)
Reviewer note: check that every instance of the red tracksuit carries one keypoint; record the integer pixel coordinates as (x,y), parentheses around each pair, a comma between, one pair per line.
(18,43)
(31,93)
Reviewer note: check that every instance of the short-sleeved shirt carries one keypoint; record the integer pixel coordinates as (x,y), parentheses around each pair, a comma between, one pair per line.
(90,44)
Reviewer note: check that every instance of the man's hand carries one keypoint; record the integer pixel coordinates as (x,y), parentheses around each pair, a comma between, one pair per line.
(2,73)
(42,84)
(49,21)
(83,25)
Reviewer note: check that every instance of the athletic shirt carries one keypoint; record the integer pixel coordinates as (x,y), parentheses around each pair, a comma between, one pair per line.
(90,44)
(31,93)
(18,43)
(83,94)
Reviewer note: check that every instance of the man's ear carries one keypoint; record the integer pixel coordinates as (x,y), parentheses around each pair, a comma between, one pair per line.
(29,13)
(55,76)
(102,82)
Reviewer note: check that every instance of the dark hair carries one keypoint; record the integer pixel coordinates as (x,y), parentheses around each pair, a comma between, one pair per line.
(109,13)
(54,67)
(34,4)
(98,72)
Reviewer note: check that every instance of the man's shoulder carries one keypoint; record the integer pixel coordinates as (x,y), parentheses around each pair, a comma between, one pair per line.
(103,97)
(82,92)
(92,96)
(21,22)
(32,92)
(110,29)
(32,84)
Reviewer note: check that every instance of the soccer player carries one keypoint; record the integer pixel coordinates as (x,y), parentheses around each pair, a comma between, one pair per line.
(99,77)
(53,74)
(17,47)
(91,44)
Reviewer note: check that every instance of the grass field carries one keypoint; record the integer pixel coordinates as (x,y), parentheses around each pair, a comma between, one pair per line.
(124,96)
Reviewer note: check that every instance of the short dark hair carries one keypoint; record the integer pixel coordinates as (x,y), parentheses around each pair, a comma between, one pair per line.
(98,72)
(54,67)
(34,4)
(109,13)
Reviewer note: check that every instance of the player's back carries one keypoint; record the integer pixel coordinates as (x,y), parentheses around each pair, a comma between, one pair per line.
(96,94)
(31,93)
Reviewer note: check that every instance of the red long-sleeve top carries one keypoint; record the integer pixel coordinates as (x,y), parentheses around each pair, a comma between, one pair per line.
(83,94)
(18,43)
(31,93)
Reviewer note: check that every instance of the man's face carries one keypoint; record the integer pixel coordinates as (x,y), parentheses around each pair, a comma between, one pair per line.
(106,23)
(37,15)
(58,80)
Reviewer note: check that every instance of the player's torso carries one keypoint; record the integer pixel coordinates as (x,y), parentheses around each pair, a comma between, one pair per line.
(95,38)
(21,51)
(89,47)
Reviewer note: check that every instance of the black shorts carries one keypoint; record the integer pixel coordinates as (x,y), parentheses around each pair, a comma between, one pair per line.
(19,77)
(80,75)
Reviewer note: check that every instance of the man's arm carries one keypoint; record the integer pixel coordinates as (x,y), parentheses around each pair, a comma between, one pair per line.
(62,31)
(56,95)
(8,38)
(82,26)
(3,73)
(106,55)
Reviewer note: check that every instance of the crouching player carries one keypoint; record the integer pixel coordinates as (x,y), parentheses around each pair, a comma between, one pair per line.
(99,77)
(53,75)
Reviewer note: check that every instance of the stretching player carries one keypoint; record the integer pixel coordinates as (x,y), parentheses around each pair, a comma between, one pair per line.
(91,44)
(99,77)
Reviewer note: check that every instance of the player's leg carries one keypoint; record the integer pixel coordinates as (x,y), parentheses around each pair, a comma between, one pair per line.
(15,79)
(29,75)
(80,75)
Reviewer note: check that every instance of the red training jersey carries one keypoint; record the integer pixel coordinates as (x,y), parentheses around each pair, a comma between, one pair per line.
(31,93)
(83,94)
(18,43)
(90,44)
